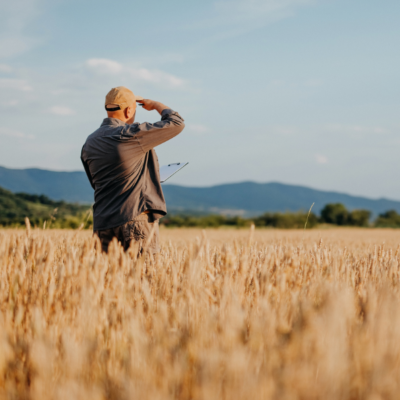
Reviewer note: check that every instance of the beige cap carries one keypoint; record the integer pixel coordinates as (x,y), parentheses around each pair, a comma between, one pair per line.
(121,97)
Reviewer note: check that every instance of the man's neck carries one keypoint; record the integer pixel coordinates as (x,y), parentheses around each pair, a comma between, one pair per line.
(121,118)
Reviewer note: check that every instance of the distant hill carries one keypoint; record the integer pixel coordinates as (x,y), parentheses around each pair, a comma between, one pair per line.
(68,186)
(255,198)
(14,207)
(245,198)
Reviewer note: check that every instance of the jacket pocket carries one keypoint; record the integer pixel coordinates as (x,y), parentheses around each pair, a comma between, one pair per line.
(135,230)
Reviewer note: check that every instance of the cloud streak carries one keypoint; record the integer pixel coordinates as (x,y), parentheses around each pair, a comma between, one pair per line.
(61,111)
(357,129)
(256,9)
(15,17)
(103,66)
(197,129)
(16,84)
(320,159)
(15,134)
(231,18)
(4,68)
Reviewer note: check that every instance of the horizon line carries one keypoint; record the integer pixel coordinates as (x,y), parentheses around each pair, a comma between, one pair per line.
(223,184)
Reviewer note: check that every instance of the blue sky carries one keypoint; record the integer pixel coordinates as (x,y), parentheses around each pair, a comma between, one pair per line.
(297,91)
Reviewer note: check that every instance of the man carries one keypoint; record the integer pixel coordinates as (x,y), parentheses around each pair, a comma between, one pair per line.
(122,167)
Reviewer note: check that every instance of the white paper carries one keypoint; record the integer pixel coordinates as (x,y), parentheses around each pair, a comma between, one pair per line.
(166,171)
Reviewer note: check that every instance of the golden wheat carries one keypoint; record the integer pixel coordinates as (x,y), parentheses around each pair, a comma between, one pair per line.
(221,314)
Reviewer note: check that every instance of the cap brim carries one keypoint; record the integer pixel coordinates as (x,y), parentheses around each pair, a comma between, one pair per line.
(139,98)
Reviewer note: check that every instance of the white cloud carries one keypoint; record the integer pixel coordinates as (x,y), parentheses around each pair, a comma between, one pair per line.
(102,65)
(15,17)
(320,159)
(5,68)
(313,82)
(198,129)
(246,15)
(111,67)
(356,129)
(61,110)
(15,134)
(227,19)
(278,82)
(232,18)
(10,103)
(17,84)
(285,130)
(156,76)
(260,8)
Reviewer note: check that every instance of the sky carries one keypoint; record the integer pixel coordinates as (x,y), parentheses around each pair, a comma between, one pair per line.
(302,92)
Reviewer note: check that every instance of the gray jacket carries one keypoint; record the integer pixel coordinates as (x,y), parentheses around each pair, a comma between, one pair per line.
(122,167)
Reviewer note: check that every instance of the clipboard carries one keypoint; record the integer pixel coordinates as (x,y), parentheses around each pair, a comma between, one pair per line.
(166,171)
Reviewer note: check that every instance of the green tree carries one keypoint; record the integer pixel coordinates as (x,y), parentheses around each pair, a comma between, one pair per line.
(388,219)
(286,220)
(359,218)
(14,207)
(335,213)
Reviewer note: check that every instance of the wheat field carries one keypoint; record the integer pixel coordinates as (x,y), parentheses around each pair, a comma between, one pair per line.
(218,314)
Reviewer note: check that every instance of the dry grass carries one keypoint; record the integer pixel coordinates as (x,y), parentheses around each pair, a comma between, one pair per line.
(220,315)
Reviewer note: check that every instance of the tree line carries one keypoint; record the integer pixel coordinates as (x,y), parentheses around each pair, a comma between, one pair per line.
(41,211)
(44,212)
(333,214)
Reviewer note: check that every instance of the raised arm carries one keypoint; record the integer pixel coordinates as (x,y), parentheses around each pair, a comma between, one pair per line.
(151,105)
(152,135)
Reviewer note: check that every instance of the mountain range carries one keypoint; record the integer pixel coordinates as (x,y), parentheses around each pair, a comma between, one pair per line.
(244,198)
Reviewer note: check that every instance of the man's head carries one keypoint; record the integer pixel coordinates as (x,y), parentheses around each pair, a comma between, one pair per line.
(121,104)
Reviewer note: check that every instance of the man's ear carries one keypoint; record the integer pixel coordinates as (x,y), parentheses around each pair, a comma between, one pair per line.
(129,111)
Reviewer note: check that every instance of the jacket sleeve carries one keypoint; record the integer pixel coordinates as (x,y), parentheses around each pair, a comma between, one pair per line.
(86,166)
(152,135)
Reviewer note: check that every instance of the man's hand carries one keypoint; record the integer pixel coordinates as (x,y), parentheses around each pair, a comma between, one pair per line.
(150,105)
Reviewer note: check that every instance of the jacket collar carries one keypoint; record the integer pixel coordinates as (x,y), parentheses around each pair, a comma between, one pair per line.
(112,122)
